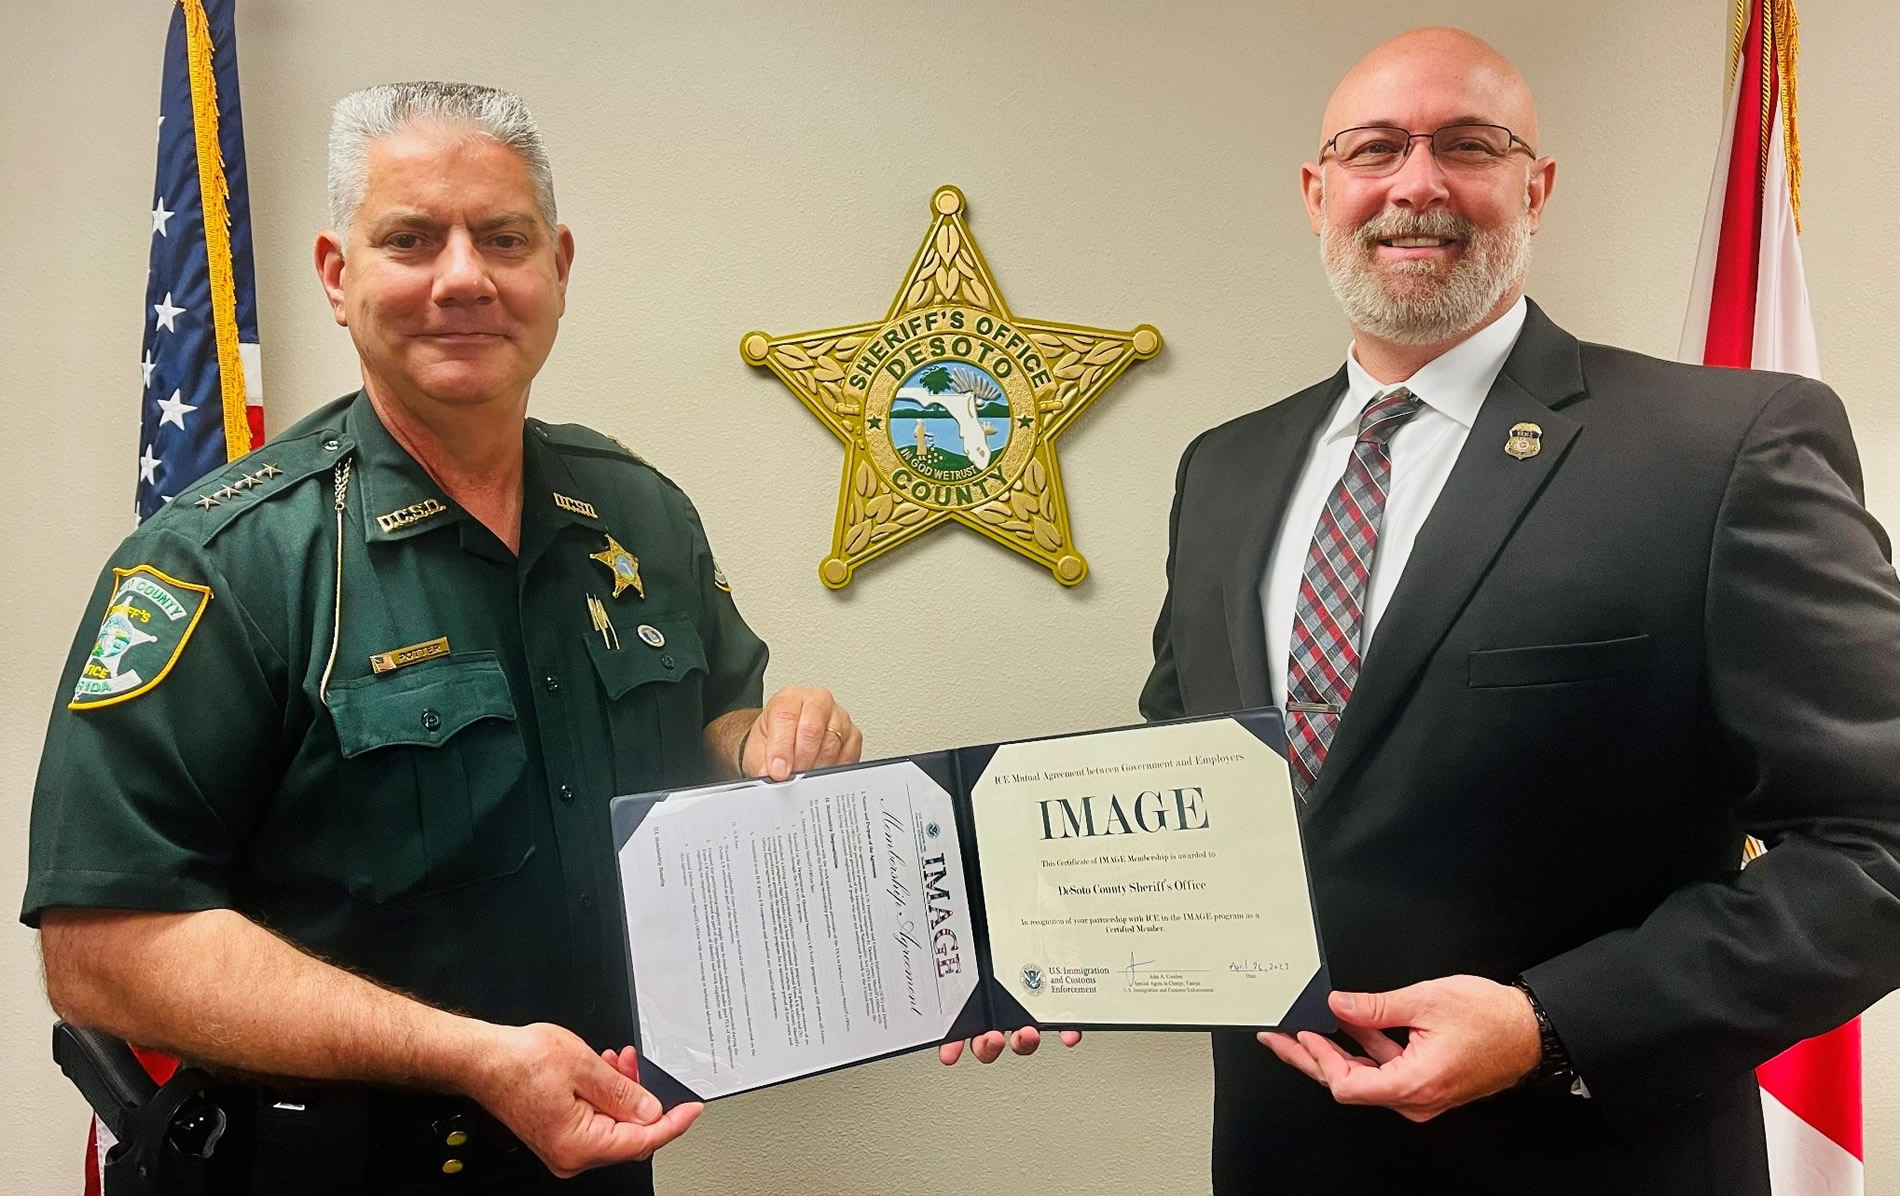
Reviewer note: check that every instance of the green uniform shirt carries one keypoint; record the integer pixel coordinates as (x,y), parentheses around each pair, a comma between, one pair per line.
(440,826)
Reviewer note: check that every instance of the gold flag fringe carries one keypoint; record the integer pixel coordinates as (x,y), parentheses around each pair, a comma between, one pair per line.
(1781,37)
(215,192)
(1787,48)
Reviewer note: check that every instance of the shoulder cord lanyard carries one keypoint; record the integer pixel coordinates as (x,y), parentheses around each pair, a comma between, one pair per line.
(336,615)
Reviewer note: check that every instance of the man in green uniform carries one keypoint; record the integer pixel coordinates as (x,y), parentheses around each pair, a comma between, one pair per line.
(325,792)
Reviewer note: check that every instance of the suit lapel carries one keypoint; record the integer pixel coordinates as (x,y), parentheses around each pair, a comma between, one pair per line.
(1482,503)
(1260,500)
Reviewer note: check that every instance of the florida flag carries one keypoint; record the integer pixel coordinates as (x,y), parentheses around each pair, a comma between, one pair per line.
(1748,308)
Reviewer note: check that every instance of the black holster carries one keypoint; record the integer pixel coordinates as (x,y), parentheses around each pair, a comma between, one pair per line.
(165,1134)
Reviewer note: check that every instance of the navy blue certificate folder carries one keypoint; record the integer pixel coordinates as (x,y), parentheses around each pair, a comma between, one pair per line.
(992,1005)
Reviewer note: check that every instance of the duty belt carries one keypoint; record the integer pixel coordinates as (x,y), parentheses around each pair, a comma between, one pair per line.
(326,1139)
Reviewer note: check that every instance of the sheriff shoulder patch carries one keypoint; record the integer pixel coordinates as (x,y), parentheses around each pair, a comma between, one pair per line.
(147,621)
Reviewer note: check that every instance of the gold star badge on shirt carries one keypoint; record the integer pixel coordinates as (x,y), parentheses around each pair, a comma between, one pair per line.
(950,406)
(623,565)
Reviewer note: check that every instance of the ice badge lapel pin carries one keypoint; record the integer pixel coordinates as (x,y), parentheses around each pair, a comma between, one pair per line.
(949,407)
(1527,440)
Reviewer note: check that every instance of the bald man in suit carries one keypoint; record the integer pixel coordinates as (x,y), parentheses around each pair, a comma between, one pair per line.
(1554,626)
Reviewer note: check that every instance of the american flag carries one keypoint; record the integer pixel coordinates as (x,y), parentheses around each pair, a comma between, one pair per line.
(203,379)
(201,404)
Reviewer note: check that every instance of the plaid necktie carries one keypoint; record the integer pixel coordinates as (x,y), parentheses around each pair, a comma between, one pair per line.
(1324,663)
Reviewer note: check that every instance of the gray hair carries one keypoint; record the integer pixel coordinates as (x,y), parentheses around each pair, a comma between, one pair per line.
(374,112)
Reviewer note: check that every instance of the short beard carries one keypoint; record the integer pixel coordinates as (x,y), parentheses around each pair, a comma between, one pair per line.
(1420,302)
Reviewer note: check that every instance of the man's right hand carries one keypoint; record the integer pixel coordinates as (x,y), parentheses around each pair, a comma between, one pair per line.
(214,986)
(575,1109)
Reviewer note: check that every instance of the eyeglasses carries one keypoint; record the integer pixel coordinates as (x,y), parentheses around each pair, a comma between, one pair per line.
(1375,150)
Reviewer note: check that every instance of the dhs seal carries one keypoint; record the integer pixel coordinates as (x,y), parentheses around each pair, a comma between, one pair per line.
(1032,978)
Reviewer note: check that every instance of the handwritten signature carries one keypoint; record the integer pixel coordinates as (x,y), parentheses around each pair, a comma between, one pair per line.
(1135,965)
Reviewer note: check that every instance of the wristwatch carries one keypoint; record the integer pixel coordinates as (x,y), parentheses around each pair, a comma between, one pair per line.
(1553,1075)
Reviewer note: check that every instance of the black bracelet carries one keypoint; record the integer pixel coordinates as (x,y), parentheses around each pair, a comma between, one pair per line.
(1553,1073)
(739,760)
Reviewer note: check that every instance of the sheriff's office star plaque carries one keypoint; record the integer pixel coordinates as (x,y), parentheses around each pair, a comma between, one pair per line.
(949,407)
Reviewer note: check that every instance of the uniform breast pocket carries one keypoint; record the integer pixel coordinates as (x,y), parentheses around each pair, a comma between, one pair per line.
(1559,664)
(653,685)
(433,772)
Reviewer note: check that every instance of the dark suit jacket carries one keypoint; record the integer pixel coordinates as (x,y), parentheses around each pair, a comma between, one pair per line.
(1602,665)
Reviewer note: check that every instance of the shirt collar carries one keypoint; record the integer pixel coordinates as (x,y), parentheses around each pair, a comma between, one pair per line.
(1454,383)
(400,499)
(550,493)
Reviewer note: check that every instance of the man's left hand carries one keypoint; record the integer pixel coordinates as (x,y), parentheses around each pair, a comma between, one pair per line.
(800,729)
(1469,1037)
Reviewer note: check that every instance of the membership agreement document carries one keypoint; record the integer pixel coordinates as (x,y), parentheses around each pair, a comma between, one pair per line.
(779,930)
(1151,876)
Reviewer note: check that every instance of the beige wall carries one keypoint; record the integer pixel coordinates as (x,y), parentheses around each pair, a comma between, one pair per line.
(735,165)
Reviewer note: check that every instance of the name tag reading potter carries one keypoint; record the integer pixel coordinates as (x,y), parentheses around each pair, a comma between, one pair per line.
(389,662)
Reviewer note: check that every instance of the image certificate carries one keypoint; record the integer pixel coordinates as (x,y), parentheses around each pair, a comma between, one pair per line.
(782,929)
(1148,876)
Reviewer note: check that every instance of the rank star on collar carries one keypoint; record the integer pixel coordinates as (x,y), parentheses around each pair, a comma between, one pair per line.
(950,406)
(623,565)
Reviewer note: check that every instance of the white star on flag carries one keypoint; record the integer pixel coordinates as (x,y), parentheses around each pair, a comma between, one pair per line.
(148,466)
(148,365)
(160,217)
(167,313)
(174,409)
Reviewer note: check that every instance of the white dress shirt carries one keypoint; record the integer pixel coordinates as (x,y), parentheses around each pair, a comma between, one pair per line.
(1451,388)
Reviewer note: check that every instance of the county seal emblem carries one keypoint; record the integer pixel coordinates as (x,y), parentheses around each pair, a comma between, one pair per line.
(148,617)
(949,408)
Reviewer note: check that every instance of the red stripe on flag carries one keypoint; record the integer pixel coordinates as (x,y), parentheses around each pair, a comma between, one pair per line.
(1819,1081)
(160,1067)
(254,415)
(1731,340)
